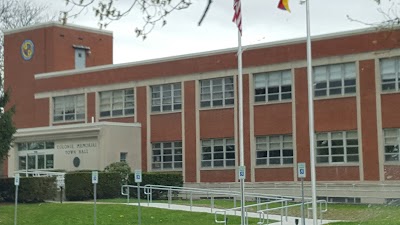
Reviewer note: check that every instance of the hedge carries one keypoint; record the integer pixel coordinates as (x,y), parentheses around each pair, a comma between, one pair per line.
(30,190)
(79,187)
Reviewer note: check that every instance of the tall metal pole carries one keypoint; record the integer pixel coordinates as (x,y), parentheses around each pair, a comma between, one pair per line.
(139,211)
(311,116)
(16,204)
(94,196)
(241,138)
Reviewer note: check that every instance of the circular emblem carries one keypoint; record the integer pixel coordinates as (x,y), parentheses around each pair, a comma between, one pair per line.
(27,49)
(76,162)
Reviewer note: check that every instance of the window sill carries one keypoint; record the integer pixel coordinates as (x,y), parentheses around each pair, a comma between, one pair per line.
(68,121)
(165,112)
(391,164)
(216,107)
(389,92)
(337,165)
(272,103)
(286,166)
(166,170)
(115,117)
(334,97)
(217,168)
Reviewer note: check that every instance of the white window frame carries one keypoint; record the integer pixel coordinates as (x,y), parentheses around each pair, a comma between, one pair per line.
(265,145)
(226,149)
(74,103)
(217,92)
(391,145)
(123,156)
(390,77)
(326,147)
(323,81)
(273,86)
(117,103)
(166,97)
(35,150)
(167,153)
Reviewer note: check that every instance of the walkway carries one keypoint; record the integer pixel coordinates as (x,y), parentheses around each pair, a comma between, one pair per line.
(290,220)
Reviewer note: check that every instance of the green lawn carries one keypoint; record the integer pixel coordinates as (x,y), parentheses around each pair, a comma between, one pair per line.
(110,213)
(82,214)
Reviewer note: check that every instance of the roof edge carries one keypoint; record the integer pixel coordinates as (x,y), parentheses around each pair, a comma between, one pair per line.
(57,24)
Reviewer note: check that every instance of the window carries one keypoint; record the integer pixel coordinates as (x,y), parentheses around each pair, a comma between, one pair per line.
(37,145)
(36,162)
(216,92)
(69,108)
(167,155)
(166,97)
(122,156)
(273,86)
(117,103)
(80,58)
(390,72)
(217,153)
(337,147)
(274,150)
(338,79)
(392,145)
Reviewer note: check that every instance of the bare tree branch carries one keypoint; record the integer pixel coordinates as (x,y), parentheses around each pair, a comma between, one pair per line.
(152,11)
(205,12)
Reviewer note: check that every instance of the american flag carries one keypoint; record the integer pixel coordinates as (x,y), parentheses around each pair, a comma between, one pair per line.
(237,16)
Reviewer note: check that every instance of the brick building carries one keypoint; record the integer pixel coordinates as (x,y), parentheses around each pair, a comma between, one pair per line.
(186,110)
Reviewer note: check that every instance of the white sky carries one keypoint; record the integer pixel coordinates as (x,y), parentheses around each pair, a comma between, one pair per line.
(262,22)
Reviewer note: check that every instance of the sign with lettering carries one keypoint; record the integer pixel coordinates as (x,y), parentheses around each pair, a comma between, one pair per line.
(138,176)
(242,172)
(60,181)
(16,179)
(301,170)
(95,177)
(77,148)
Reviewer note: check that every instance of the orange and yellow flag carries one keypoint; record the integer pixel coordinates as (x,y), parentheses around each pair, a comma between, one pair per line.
(284,5)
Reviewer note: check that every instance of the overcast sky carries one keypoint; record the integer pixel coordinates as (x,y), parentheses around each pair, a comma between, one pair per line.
(262,22)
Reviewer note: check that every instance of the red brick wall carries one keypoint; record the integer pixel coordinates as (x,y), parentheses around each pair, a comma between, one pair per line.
(166,127)
(390,110)
(392,172)
(42,116)
(217,176)
(335,114)
(91,107)
(273,119)
(368,120)
(142,118)
(217,123)
(274,174)
(302,136)
(189,105)
(246,128)
(338,173)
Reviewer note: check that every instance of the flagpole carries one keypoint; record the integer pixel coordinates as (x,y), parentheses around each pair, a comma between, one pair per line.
(311,117)
(241,138)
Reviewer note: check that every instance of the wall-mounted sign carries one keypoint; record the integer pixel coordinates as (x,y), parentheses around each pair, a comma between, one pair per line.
(27,49)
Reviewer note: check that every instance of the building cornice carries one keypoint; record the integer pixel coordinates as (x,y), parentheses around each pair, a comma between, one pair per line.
(208,53)
(57,24)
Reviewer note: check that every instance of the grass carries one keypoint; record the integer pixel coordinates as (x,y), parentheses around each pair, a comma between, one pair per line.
(110,213)
(83,214)
(359,214)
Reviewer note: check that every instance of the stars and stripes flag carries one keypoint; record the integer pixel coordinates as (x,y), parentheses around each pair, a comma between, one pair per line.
(284,5)
(237,16)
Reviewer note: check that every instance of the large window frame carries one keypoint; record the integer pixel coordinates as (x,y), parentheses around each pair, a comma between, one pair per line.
(390,74)
(69,108)
(218,153)
(117,103)
(217,92)
(337,147)
(167,156)
(166,97)
(273,86)
(274,150)
(335,80)
(36,155)
(391,145)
